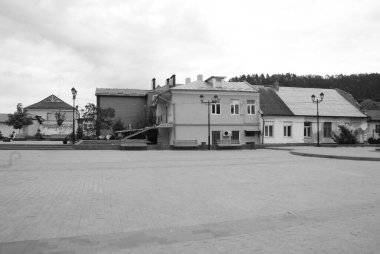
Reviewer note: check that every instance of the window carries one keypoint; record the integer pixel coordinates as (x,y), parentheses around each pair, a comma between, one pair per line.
(287,129)
(48,116)
(377,128)
(327,130)
(268,131)
(235,107)
(215,108)
(249,133)
(307,129)
(215,137)
(235,135)
(251,109)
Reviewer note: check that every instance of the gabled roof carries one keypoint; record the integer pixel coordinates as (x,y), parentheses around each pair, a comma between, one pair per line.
(50,102)
(374,114)
(3,118)
(334,104)
(120,92)
(271,103)
(224,86)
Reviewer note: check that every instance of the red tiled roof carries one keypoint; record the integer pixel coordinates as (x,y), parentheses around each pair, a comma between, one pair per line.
(50,102)
(3,118)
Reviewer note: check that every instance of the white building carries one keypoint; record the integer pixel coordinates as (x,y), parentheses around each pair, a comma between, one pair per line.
(289,115)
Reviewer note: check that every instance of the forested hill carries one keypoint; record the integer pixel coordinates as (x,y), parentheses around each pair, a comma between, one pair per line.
(361,86)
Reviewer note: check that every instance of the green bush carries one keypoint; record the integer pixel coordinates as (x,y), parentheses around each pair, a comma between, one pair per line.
(118,125)
(372,140)
(1,135)
(345,136)
(79,132)
(38,135)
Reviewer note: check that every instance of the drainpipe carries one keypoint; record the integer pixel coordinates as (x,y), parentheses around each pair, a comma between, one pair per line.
(262,133)
(263,129)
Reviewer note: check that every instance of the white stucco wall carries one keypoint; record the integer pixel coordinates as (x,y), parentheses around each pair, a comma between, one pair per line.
(190,116)
(298,128)
(6,130)
(278,122)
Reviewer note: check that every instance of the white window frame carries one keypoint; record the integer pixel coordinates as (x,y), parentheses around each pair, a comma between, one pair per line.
(251,108)
(268,129)
(288,130)
(232,134)
(307,130)
(215,107)
(235,107)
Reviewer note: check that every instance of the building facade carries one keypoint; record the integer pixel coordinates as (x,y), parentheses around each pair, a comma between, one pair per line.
(130,106)
(233,113)
(289,115)
(46,110)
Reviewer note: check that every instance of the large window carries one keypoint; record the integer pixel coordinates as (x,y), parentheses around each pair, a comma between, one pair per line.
(235,135)
(268,131)
(307,129)
(251,109)
(327,129)
(235,106)
(215,108)
(287,129)
(215,137)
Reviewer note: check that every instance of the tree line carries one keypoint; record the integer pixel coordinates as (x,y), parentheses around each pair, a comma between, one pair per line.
(361,86)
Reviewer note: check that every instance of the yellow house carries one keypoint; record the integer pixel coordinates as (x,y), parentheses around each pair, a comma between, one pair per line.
(191,112)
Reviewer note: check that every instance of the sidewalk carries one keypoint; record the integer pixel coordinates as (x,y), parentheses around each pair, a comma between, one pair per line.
(345,153)
(30,142)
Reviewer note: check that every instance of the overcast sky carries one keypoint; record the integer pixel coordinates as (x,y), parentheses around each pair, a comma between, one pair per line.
(49,46)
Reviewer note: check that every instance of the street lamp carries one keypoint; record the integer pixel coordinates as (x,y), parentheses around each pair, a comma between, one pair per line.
(74,92)
(317,101)
(214,100)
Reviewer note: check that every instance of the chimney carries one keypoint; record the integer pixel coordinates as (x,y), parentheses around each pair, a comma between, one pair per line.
(173,80)
(167,81)
(200,77)
(153,84)
(187,80)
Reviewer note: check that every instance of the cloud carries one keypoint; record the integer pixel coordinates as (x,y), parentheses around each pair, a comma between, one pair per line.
(49,46)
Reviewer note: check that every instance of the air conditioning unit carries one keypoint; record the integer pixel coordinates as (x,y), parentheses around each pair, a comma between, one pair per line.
(226,133)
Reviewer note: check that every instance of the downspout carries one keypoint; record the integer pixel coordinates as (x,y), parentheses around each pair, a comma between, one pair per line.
(262,133)
(263,129)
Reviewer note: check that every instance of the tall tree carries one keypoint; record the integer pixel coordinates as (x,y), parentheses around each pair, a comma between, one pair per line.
(361,86)
(19,118)
(60,118)
(100,118)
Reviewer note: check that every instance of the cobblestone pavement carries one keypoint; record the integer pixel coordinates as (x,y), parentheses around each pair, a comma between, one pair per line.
(248,201)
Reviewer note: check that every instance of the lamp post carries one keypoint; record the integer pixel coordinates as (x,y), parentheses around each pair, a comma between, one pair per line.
(74,92)
(214,100)
(317,101)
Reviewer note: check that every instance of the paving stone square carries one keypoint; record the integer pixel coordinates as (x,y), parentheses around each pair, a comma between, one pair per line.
(234,201)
